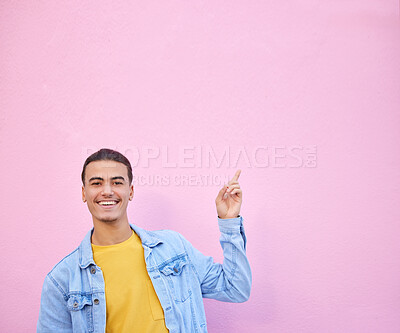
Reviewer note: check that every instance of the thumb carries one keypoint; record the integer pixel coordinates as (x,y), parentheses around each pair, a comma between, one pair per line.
(221,193)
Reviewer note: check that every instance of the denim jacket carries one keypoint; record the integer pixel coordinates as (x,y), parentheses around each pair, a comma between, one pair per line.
(73,297)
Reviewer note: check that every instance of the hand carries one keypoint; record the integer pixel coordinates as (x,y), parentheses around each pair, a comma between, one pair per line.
(229,199)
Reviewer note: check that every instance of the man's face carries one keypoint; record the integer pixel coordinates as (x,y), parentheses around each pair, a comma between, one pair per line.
(107,190)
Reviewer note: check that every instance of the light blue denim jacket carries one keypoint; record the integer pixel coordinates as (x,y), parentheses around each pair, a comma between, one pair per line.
(73,297)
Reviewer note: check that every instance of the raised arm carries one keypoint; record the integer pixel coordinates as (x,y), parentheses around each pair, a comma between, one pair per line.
(230,281)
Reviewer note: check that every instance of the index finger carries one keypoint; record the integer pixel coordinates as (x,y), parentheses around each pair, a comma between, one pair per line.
(237,174)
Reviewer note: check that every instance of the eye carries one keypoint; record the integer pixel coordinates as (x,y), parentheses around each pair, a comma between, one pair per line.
(117,183)
(96,183)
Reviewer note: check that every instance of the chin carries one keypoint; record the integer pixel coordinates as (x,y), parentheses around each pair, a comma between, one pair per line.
(107,219)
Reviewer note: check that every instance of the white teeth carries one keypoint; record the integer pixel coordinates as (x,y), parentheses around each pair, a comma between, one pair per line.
(107,203)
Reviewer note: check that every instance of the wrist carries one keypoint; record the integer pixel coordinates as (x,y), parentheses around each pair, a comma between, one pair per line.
(228,217)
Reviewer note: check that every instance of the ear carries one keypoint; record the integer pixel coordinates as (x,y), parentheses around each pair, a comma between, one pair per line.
(83,194)
(131,193)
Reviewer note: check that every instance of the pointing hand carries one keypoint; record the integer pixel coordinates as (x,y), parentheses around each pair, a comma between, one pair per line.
(229,199)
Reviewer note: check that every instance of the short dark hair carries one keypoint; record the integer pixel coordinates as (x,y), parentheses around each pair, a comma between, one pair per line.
(105,154)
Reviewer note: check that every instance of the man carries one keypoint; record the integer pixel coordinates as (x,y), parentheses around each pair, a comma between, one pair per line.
(123,278)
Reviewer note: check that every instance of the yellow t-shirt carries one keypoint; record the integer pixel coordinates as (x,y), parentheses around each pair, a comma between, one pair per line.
(132,304)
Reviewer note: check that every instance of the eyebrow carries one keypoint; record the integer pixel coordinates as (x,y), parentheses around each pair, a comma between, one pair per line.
(113,178)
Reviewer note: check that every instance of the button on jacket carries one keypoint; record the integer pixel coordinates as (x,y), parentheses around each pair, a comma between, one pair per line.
(73,295)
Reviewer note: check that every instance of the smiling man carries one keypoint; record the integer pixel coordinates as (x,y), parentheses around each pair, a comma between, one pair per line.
(123,278)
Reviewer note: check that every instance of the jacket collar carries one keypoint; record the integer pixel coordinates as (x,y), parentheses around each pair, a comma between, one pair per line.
(148,239)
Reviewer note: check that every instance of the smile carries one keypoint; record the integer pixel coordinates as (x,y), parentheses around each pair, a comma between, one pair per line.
(108,203)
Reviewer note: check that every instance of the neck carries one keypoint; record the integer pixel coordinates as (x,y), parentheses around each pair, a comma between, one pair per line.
(110,233)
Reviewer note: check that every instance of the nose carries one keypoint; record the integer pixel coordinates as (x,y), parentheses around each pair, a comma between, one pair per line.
(107,190)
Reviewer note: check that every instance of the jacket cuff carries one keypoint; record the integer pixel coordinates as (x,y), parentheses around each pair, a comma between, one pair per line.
(230,225)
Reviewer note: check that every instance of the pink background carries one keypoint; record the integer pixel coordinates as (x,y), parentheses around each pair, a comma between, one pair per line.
(323,238)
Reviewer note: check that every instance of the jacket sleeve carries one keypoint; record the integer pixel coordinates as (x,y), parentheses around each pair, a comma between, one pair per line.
(53,315)
(230,281)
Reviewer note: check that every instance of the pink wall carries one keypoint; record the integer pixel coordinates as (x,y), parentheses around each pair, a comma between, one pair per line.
(305,94)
